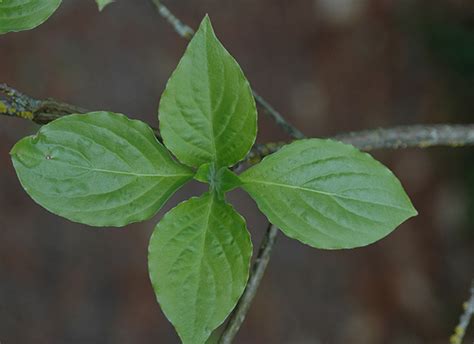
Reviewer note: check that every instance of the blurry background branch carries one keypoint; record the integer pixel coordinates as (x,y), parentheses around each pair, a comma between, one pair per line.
(465,318)
(181,29)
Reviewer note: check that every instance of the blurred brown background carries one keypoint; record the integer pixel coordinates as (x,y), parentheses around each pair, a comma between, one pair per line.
(330,66)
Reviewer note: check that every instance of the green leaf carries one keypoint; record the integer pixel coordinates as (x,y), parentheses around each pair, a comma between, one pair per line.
(19,15)
(101,169)
(328,194)
(207,111)
(103,3)
(199,257)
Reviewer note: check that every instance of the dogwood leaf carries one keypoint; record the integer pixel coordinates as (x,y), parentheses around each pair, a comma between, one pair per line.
(199,258)
(101,169)
(328,194)
(207,112)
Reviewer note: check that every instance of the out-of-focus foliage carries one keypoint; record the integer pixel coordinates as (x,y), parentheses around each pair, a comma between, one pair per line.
(19,15)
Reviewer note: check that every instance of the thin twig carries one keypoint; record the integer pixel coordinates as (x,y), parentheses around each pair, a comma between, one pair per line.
(181,29)
(258,269)
(464,320)
(277,117)
(187,33)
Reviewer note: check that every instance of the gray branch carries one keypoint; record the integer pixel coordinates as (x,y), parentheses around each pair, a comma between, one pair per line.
(409,136)
(420,136)
(464,320)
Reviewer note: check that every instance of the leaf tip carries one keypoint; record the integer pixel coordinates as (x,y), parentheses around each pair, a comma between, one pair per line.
(413,211)
(206,23)
(103,3)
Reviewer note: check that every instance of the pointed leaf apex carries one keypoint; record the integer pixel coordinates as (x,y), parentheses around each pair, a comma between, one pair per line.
(206,25)
(102,3)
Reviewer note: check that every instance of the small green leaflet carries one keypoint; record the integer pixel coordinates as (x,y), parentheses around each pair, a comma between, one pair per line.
(103,3)
(207,112)
(19,15)
(199,257)
(328,194)
(101,169)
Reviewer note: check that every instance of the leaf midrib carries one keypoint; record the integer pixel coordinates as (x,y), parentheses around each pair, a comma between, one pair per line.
(201,261)
(329,194)
(129,173)
(211,112)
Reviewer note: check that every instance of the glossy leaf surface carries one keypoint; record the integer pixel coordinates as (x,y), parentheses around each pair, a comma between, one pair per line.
(207,111)
(199,258)
(18,15)
(101,169)
(328,194)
